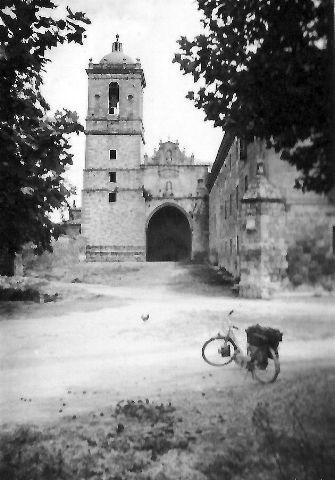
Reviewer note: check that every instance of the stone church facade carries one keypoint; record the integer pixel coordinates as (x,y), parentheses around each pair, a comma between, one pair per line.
(243,216)
(136,207)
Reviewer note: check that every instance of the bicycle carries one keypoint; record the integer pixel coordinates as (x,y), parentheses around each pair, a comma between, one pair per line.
(262,359)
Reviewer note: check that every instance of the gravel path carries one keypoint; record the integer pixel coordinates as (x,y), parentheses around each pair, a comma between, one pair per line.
(85,357)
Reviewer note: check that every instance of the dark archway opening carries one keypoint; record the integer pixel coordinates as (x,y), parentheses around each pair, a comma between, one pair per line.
(169,237)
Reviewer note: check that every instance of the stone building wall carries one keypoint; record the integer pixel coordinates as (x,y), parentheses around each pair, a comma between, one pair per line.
(306,215)
(263,246)
(125,178)
(178,180)
(225,196)
(131,85)
(107,220)
(128,150)
(172,178)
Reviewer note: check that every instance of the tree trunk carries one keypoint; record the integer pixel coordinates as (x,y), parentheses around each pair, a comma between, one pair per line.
(7,262)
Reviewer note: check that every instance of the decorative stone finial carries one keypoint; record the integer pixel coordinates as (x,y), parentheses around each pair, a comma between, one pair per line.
(117,46)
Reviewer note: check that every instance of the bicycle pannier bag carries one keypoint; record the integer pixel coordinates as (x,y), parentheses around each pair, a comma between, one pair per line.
(259,336)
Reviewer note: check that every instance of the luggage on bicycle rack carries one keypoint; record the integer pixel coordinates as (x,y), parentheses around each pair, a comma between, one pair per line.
(259,336)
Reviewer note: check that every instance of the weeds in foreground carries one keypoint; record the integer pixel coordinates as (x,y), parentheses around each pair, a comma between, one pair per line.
(130,440)
(24,454)
(295,449)
(288,435)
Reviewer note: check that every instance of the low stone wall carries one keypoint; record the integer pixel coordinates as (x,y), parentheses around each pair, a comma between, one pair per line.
(115,253)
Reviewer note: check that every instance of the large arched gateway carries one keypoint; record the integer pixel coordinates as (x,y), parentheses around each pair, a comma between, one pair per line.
(169,236)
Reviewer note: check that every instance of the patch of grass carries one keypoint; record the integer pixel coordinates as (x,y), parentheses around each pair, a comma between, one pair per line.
(226,465)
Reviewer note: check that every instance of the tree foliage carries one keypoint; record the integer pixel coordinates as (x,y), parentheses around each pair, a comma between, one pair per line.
(264,69)
(34,148)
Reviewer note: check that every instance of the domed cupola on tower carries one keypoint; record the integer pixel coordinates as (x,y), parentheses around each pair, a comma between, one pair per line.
(116,56)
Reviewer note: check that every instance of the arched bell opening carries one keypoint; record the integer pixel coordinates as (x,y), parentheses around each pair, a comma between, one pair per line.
(113,98)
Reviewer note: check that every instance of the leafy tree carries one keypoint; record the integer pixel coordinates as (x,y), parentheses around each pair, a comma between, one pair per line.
(264,69)
(34,148)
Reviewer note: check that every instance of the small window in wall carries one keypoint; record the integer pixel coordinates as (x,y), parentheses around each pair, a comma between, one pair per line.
(112,197)
(243,149)
(225,210)
(237,245)
(200,181)
(112,154)
(113,97)
(236,196)
(112,177)
(230,204)
(246,183)
(96,103)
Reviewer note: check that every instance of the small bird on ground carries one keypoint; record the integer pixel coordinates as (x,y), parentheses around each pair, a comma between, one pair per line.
(145,317)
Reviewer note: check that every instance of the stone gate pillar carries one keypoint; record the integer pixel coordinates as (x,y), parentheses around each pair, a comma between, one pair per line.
(263,247)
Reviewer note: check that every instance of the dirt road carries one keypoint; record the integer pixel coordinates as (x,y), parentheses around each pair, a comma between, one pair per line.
(93,349)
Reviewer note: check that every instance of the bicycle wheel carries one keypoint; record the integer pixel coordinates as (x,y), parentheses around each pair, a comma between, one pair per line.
(270,372)
(214,349)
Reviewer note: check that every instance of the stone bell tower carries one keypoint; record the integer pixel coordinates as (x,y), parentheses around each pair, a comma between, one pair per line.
(113,207)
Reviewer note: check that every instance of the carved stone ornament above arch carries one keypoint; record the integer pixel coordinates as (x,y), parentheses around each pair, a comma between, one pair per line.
(166,172)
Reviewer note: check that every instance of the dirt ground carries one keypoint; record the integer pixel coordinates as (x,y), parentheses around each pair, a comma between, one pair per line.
(66,366)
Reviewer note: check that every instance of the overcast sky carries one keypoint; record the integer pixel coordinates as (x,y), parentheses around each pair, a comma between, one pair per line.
(148,30)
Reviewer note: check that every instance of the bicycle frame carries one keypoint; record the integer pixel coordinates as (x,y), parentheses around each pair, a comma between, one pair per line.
(252,361)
